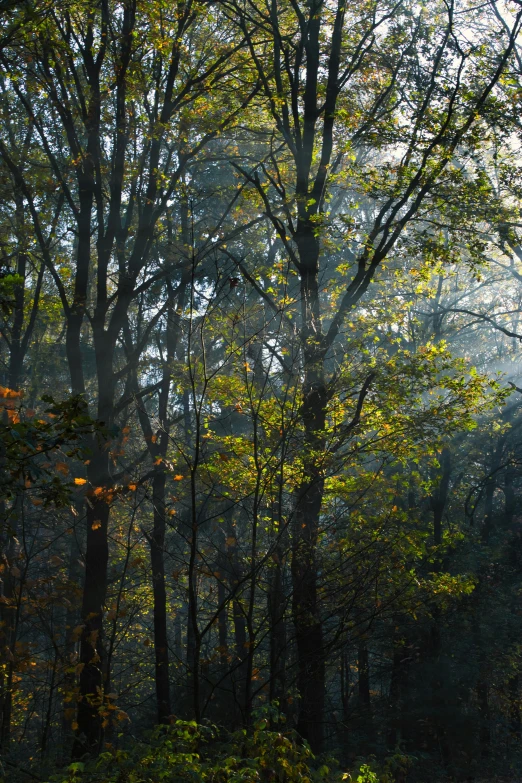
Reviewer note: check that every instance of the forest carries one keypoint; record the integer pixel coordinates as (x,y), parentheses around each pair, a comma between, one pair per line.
(261,391)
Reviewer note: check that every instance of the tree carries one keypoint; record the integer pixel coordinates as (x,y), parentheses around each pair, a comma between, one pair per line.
(325,109)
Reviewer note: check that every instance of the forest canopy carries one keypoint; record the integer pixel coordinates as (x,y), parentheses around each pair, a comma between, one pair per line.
(260,324)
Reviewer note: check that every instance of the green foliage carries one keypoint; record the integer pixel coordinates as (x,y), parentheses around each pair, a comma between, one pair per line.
(184,751)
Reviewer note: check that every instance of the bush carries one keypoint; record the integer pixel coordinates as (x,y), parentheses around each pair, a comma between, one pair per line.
(184,751)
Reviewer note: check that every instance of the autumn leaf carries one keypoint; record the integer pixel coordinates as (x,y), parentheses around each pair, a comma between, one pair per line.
(10,393)
(96,525)
(62,467)
(178,477)
(80,481)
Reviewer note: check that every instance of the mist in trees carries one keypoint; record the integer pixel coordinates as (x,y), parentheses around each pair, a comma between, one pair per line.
(260,324)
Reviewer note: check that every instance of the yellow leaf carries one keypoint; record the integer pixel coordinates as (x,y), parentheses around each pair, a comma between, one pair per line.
(96,524)
(133,487)
(80,482)
(178,477)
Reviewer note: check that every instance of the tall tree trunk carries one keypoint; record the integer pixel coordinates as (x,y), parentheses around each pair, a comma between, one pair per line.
(161,643)
(439,499)
(98,502)
(515,721)
(16,352)
(394,735)
(7,630)
(363,672)
(305,605)
(276,613)
(89,719)
(235,573)
(158,446)
(222,617)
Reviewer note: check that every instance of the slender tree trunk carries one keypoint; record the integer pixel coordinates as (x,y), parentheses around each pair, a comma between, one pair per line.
(483,705)
(515,721)
(305,605)
(510,497)
(239,620)
(98,502)
(363,671)
(514,680)
(439,497)
(222,619)
(89,720)
(158,453)
(491,485)
(439,501)
(394,735)
(69,643)
(7,617)
(276,612)
(16,352)
(49,712)
(9,614)
(161,644)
